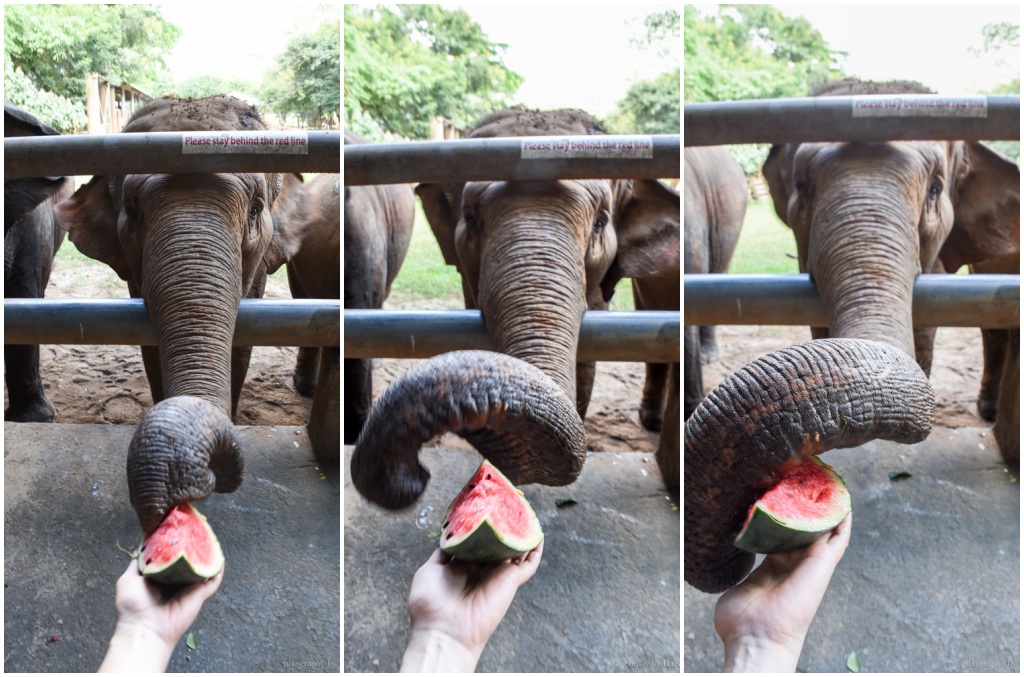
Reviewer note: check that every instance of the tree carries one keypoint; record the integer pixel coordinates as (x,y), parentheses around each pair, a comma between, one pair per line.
(58,46)
(652,106)
(753,52)
(305,82)
(407,64)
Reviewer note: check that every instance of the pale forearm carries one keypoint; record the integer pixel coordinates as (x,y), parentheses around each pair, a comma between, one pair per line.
(136,649)
(431,651)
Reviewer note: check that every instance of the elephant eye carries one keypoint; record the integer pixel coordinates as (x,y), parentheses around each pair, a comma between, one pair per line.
(599,224)
(801,188)
(471,221)
(255,209)
(934,190)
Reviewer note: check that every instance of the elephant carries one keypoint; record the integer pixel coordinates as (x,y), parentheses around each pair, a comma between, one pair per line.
(869,217)
(716,196)
(378,229)
(31,239)
(192,246)
(533,256)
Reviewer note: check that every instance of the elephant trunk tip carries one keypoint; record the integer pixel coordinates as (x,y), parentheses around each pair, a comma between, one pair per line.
(183,450)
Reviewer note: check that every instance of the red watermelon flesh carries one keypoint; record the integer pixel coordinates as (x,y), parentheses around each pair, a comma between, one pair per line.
(490,520)
(808,501)
(182,550)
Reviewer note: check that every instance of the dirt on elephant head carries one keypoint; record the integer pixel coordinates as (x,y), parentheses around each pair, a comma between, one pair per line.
(212,113)
(524,122)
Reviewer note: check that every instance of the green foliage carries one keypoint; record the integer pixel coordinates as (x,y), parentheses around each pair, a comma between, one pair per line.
(61,113)
(305,82)
(58,46)
(210,85)
(649,107)
(753,52)
(406,64)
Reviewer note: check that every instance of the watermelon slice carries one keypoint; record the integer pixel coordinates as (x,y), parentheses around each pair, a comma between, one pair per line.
(809,500)
(490,520)
(182,550)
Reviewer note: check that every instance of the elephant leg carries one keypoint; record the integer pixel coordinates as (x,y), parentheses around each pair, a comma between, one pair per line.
(994,344)
(358,396)
(304,376)
(708,345)
(585,372)
(668,443)
(324,416)
(924,342)
(27,402)
(240,357)
(694,386)
(151,361)
(652,405)
(1007,426)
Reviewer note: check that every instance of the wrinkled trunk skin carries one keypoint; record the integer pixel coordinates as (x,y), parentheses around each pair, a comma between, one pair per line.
(532,294)
(774,414)
(864,274)
(193,302)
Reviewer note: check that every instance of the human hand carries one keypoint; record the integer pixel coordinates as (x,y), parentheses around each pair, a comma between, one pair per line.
(151,619)
(455,607)
(763,621)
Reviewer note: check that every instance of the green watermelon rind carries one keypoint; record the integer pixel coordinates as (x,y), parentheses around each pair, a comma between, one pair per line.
(766,534)
(180,571)
(483,544)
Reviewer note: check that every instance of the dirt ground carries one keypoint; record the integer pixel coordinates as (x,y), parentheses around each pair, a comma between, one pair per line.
(107,384)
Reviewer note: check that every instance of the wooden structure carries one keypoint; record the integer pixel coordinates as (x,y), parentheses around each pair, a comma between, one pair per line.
(110,106)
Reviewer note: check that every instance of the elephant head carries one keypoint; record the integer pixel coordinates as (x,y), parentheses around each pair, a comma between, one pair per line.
(535,255)
(869,217)
(191,245)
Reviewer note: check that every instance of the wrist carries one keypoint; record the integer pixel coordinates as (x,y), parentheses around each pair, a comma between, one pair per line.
(136,648)
(437,651)
(751,654)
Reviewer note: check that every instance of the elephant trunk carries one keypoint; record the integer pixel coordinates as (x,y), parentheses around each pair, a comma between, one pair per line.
(532,292)
(183,450)
(193,302)
(515,415)
(773,415)
(864,258)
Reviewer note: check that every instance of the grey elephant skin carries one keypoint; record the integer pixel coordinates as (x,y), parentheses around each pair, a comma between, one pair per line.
(31,239)
(870,217)
(534,256)
(715,204)
(378,228)
(191,245)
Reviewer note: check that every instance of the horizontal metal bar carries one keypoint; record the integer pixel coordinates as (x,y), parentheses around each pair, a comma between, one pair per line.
(168,153)
(510,159)
(846,118)
(987,301)
(261,322)
(643,336)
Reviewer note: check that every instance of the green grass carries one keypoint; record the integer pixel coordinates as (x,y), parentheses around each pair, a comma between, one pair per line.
(426,282)
(766,245)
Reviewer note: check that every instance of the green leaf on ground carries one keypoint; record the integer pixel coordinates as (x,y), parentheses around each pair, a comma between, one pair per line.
(190,641)
(562,502)
(853,662)
(899,474)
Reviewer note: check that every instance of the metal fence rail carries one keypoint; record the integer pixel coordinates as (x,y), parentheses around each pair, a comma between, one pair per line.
(852,118)
(168,153)
(510,159)
(987,301)
(261,322)
(641,336)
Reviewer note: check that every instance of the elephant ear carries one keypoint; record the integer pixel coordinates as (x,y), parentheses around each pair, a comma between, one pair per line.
(288,212)
(777,170)
(90,218)
(986,199)
(647,230)
(442,207)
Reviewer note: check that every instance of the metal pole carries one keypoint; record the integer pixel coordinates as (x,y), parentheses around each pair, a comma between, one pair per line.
(261,322)
(852,118)
(514,159)
(987,301)
(173,153)
(651,336)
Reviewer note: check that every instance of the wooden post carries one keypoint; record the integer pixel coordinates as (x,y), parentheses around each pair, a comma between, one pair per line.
(94,120)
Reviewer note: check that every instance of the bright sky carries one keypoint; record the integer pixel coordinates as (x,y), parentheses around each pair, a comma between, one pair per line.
(927,43)
(575,56)
(232,41)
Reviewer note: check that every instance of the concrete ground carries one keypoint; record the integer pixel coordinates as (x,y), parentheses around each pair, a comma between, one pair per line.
(606,596)
(931,579)
(66,510)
